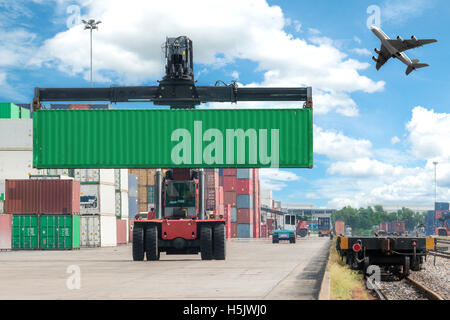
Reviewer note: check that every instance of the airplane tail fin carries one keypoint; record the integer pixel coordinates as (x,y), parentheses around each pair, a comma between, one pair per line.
(415,65)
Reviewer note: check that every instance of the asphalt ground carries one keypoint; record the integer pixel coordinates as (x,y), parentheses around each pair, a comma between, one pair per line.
(254,269)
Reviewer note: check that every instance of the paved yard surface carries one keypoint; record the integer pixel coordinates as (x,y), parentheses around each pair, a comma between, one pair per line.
(254,269)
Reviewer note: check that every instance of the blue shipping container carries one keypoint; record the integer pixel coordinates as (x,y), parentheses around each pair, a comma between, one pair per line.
(220,172)
(132,207)
(132,185)
(244,230)
(244,173)
(244,201)
(59,106)
(441,206)
(233,213)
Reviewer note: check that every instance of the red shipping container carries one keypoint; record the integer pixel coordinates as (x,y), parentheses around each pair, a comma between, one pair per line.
(229,197)
(244,186)
(212,193)
(79,106)
(439,213)
(229,172)
(121,231)
(59,197)
(227,217)
(5,231)
(383,226)
(339,227)
(233,229)
(229,183)
(245,216)
(22,196)
(212,179)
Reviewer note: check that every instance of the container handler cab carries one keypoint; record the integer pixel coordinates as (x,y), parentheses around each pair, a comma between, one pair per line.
(182,227)
(324,227)
(302,228)
(288,231)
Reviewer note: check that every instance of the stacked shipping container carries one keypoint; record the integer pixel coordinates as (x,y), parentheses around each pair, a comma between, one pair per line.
(146,188)
(121,203)
(45,213)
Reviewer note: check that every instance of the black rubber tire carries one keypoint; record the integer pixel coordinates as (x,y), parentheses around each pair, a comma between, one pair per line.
(206,243)
(275,239)
(151,243)
(303,233)
(138,243)
(219,243)
(292,239)
(406,267)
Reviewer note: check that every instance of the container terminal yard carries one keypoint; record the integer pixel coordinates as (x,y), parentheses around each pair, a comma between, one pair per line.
(101,199)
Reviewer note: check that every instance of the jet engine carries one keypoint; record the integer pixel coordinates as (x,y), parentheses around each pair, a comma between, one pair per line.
(399,38)
(413,38)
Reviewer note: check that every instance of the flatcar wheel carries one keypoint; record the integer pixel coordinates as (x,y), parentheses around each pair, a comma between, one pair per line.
(406,267)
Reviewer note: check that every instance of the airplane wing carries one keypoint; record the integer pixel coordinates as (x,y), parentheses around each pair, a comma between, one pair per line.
(383,57)
(403,45)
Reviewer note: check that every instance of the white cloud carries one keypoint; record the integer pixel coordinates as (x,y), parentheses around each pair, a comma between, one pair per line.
(395,140)
(429,134)
(361,51)
(274,179)
(398,11)
(221,35)
(338,146)
(8,91)
(235,75)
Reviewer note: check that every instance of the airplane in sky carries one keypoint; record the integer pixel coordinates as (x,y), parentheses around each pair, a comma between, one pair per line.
(393,48)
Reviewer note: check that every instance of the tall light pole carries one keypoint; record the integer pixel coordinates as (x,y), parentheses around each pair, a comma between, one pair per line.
(435,182)
(91,25)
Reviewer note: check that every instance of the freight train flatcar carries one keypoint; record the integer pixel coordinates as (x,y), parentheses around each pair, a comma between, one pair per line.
(396,255)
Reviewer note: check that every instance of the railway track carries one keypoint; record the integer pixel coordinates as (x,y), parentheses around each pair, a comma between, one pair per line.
(391,291)
(441,251)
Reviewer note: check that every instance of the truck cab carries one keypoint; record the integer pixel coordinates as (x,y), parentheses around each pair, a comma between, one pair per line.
(287,231)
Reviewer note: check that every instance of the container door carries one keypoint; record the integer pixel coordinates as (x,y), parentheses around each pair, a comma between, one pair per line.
(25,232)
(90,231)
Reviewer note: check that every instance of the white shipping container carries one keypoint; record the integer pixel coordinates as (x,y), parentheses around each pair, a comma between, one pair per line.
(118,204)
(97,199)
(98,231)
(121,179)
(17,165)
(58,172)
(102,176)
(16,134)
(108,231)
(124,204)
(2,205)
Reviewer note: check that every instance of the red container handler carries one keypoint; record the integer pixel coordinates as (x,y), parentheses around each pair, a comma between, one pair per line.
(59,197)
(244,186)
(130,226)
(5,231)
(22,196)
(245,216)
(121,231)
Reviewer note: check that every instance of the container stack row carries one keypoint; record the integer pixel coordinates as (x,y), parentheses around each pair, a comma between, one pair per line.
(241,191)
(146,188)
(41,214)
(213,192)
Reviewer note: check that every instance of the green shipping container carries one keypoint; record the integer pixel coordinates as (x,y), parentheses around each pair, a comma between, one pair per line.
(25,231)
(59,232)
(164,138)
(9,111)
(25,113)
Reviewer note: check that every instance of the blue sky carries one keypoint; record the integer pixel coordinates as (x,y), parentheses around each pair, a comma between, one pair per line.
(373,143)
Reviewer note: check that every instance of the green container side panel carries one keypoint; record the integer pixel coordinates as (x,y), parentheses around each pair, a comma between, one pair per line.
(25,113)
(9,111)
(164,138)
(25,232)
(57,232)
(2,196)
